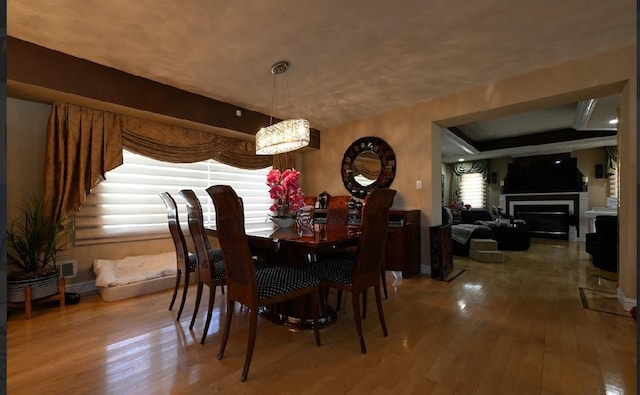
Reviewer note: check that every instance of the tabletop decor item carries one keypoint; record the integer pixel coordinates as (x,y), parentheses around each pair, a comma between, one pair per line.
(497,211)
(304,221)
(287,195)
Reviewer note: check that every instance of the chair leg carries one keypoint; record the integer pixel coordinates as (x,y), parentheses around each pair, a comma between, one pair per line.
(355,299)
(185,288)
(212,299)
(383,277)
(253,325)
(175,289)
(380,312)
(227,325)
(364,303)
(315,311)
(339,300)
(197,305)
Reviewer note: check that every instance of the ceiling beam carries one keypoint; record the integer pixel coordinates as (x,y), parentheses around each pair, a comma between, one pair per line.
(462,136)
(549,137)
(31,64)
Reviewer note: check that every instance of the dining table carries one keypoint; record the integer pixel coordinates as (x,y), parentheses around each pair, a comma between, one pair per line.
(284,246)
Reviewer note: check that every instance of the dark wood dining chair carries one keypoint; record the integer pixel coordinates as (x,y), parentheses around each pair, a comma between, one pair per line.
(210,266)
(342,274)
(254,288)
(338,214)
(338,210)
(185,261)
(310,201)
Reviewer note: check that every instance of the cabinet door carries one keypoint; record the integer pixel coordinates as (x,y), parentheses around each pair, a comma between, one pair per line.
(395,255)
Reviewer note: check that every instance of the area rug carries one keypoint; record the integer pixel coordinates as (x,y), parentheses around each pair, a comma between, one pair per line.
(601,301)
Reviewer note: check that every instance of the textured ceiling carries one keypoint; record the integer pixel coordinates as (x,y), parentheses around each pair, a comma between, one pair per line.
(350,59)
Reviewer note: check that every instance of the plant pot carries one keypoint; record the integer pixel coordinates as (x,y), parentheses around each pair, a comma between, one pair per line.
(43,284)
(283,222)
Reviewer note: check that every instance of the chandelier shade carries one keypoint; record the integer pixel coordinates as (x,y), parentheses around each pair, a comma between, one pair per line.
(284,136)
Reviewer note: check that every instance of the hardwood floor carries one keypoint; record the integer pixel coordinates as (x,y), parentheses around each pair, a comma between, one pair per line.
(513,328)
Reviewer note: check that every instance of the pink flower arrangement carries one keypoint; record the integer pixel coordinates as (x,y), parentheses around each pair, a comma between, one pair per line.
(285,191)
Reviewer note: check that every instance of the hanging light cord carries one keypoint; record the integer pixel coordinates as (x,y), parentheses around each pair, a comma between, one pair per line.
(273,98)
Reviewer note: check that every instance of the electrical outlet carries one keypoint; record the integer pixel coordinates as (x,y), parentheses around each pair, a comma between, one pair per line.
(418,184)
(68,269)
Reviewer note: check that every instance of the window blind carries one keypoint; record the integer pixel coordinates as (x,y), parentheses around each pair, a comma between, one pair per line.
(473,189)
(613,184)
(127,206)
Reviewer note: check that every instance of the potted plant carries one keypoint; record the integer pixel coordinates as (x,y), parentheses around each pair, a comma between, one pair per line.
(287,195)
(33,240)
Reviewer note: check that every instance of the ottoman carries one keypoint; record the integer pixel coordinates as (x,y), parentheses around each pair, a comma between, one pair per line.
(512,238)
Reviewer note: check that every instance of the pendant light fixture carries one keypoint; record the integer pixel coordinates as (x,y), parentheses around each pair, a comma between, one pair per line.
(284,136)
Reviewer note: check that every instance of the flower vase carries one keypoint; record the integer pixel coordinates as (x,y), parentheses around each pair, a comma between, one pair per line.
(498,220)
(283,222)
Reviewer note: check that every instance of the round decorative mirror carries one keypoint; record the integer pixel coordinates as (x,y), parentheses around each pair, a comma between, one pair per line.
(367,164)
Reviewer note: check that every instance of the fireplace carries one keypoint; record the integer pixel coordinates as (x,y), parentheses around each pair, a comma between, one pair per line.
(550,215)
(547,192)
(549,221)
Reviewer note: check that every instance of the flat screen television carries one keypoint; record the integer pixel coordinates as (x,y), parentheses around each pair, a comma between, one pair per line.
(543,176)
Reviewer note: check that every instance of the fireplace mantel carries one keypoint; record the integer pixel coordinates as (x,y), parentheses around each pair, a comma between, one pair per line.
(578,203)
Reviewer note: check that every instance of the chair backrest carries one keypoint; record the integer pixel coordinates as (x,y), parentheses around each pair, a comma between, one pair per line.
(338,210)
(238,263)
(375,225)
(196,228)
(182,253)
(310,201)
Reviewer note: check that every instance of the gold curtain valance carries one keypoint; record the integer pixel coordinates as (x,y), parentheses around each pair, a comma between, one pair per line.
(176,144)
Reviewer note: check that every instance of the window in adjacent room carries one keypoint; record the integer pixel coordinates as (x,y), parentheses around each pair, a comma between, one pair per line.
(127,205)
(473,189)
(613,183)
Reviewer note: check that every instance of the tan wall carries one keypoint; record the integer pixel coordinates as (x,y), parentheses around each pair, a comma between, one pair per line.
(413,133)
(598,187)
(26,126)
(499,166)
(409,132)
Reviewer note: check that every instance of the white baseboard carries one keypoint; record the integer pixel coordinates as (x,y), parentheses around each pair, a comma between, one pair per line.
(83,287)
(425,269)
(627,303)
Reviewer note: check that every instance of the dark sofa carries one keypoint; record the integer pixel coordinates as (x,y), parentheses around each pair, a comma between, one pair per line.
(468,219)
(603,244)
(473,215)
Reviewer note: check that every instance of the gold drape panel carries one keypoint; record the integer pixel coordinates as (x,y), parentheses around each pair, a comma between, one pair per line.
(83,144)
(284,161)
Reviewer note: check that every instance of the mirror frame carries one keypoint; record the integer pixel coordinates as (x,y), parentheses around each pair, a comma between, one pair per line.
(387,168)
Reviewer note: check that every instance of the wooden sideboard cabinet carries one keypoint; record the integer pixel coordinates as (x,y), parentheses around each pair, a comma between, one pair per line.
(403,242)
